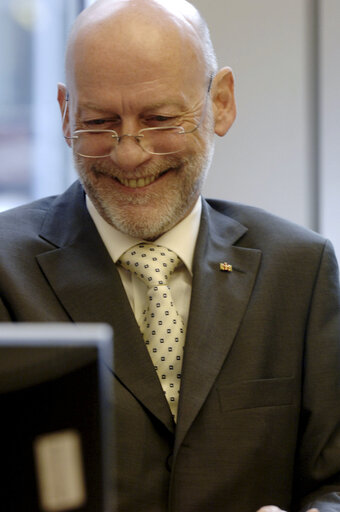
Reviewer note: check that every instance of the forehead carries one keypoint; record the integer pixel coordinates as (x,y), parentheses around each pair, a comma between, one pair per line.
(141,98)
(135,52)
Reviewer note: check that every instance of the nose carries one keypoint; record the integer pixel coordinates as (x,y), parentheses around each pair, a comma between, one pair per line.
(128,154)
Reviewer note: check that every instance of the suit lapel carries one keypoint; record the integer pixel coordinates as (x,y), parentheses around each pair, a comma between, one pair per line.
(218,303)
(88,286)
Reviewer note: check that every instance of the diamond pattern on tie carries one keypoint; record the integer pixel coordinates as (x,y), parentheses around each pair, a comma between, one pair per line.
(162,326)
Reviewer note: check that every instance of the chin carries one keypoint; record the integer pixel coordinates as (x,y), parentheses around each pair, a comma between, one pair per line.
(143,222)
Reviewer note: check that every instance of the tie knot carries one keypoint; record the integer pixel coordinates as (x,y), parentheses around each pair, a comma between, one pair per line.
(153,264)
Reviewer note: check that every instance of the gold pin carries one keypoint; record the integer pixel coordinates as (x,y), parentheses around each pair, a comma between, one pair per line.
(225,267)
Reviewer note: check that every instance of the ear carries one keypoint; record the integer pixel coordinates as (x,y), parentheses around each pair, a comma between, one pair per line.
(224,106)
(64,110)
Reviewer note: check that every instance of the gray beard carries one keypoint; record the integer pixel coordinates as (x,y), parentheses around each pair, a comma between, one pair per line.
(180,198)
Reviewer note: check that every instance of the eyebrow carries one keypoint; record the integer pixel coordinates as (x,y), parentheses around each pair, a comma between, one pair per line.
(162,104)
(92,106)
(150,107)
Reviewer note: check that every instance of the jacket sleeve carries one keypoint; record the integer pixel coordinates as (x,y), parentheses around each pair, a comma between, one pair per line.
(4,314)
(317,476)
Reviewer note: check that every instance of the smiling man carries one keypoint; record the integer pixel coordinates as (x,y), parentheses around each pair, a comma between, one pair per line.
(226,319)
(145,68)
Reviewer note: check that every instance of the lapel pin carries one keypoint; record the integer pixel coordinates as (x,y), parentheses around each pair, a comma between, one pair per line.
(226,267)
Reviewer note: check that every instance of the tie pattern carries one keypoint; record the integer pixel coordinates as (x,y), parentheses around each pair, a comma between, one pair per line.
(162,326)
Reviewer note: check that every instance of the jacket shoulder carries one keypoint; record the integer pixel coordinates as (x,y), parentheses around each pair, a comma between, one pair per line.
(27,220)
(26,216)
(264,228)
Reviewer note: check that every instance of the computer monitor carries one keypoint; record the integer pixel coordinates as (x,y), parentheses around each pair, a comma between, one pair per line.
(55,425)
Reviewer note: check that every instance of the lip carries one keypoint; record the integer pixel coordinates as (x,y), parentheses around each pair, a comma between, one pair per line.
(136,183)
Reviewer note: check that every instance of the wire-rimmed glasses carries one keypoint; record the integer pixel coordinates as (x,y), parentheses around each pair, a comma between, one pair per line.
(160,140)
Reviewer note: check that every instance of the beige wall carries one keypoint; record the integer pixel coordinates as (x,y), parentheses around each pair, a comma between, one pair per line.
(267,159)
(330,121)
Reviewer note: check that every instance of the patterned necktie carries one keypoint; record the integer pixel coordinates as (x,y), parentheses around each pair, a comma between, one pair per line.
(162,327)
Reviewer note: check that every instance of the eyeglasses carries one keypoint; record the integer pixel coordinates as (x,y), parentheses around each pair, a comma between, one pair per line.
(161,140)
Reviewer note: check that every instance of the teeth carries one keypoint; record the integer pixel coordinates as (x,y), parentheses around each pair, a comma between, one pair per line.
(140,182)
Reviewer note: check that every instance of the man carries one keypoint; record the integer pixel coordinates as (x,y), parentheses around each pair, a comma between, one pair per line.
(258,415)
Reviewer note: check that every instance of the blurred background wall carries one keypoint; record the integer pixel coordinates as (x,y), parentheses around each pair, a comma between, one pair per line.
(282,153)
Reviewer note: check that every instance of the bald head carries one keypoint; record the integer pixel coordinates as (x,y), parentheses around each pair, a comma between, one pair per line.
(140,32)
(139,70)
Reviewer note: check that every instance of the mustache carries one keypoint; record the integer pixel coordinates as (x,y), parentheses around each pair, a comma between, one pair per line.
(152,169)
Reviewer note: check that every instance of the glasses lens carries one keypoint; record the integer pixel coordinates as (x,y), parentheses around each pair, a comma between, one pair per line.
(162,141)
(94,143)
(158,141)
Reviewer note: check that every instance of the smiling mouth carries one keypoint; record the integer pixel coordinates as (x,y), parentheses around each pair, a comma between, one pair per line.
(140,182)
(137,183)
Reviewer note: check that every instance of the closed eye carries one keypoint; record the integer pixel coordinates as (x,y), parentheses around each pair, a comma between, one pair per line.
(100,122)
(159,120)
(162,118)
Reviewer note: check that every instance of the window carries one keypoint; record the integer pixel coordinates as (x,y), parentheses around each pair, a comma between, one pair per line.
(34,158)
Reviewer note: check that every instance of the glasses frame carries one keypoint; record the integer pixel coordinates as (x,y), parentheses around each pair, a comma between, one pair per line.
(139,135)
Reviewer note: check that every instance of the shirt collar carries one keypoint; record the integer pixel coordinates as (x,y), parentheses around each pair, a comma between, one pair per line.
(181,238)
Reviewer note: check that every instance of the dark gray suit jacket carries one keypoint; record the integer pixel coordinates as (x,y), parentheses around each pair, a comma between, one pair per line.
(259,413)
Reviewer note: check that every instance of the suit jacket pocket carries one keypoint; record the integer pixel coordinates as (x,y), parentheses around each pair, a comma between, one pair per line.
(252,394)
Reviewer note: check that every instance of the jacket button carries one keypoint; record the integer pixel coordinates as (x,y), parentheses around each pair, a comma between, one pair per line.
(169,461)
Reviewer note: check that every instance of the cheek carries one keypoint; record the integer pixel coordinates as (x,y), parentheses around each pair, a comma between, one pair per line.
(89,166)
(196,152)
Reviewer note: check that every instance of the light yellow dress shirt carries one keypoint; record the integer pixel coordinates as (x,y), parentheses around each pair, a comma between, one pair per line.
(180,239)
